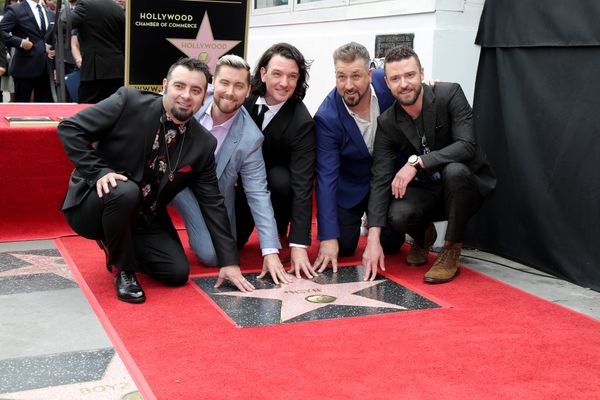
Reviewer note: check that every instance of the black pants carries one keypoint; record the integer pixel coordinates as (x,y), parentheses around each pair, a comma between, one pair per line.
(135,242)
(92,92)
(454,198)
(349,220)
(278,181)
(40,87)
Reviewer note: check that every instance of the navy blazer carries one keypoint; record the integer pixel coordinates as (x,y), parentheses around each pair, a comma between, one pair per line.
(17,24)
(343,161)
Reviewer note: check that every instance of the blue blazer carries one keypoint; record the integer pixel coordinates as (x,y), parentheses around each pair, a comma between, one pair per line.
(343,161)
(17,24)
(241,155)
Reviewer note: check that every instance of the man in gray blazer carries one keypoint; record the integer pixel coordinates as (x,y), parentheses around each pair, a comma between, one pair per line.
(446,176)
(239,152)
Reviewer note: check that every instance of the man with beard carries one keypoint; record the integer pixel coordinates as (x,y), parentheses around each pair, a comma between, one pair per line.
(238,153)
(133,152)
(346,122)
(447,175)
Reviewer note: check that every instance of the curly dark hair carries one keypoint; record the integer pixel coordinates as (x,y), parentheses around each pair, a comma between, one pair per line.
(290,52)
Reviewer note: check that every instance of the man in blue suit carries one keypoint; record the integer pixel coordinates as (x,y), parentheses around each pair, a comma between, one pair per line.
(239,152)
(346,122)
(24,27)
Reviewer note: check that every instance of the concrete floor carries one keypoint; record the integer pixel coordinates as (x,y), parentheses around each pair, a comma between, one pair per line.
(57,349)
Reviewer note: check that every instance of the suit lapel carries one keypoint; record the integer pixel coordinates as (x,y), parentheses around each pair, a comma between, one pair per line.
(279,123)
(350,125)
(407,126)
(429,115)
(229,144)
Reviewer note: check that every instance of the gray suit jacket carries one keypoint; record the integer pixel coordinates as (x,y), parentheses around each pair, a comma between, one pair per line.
(241,154)
(447,117)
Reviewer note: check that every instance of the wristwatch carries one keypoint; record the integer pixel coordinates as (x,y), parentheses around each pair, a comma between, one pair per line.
(414,161)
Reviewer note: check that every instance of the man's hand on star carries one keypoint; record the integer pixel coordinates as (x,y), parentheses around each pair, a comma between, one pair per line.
(300,263)
(373,257)
(328,253)
(273,266)
(233,274)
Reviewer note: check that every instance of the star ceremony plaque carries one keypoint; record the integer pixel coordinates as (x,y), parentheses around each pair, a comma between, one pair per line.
(330,295)
(159,32)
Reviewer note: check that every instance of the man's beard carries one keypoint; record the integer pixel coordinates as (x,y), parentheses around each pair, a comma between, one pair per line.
(352,103)
(182,116)
(412,100)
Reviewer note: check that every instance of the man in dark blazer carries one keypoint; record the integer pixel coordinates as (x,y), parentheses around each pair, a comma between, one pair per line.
(344,157)
(24,27)
(147,148)
(446,176)
(279,85)
(100,28)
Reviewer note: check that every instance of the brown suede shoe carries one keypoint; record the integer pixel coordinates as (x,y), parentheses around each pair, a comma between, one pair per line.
(417,255)
(445,268)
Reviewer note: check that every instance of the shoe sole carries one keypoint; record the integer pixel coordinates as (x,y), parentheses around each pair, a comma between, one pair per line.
(135,301)
(436,280)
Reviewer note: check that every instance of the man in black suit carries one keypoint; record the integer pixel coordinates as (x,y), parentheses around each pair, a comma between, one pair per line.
(148,148)
(279,84)
(24,27)
(100,28)
(446,176)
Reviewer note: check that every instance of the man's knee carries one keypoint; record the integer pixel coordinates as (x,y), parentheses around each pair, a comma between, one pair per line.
(400,216)
(455,172)
(126,194)
(178,276)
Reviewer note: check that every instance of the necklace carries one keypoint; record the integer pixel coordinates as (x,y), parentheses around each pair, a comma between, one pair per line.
(172,170)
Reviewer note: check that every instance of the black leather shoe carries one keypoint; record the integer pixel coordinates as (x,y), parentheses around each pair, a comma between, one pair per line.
(128,288)
(109,262)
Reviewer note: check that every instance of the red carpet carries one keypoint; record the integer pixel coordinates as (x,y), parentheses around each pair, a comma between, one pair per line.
(493,342)
(34,176)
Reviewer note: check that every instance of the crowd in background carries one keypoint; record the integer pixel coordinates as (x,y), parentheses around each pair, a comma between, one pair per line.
(93,39)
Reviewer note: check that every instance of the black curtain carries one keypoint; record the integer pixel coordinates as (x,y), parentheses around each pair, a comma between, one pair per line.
(537,115)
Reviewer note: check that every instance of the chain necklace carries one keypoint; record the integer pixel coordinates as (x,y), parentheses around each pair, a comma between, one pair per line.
(182,129)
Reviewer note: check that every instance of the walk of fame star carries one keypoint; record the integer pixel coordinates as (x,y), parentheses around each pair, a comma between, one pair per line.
(37,264)
(114,383)
(340,295)
(204,46)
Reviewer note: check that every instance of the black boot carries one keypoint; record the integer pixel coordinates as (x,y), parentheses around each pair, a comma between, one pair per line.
(128,288)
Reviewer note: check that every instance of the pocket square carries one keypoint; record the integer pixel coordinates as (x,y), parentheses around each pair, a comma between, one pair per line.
(187,168)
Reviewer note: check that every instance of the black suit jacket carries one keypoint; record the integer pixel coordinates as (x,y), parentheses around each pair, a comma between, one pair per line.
(17,24)
(447,117)
(123,128)
(290,142)
(101,31)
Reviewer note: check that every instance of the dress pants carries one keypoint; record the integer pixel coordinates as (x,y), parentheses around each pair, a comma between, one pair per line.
(278,182)
(39,86)
(350,219)
(147,244)
(454,198)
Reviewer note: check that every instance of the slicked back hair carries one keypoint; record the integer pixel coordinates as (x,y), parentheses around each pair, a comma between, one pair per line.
(349,52)
(290,52)
(191,64)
